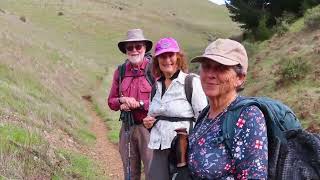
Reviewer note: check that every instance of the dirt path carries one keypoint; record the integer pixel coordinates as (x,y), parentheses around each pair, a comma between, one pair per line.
(105,152)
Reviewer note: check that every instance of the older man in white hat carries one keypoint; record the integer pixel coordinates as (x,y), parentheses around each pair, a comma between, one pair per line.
(130,93)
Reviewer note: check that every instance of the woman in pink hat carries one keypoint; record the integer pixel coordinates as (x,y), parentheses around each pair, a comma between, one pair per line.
(170,108)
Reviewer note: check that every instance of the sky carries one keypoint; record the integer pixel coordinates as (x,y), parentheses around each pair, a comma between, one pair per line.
(218,1)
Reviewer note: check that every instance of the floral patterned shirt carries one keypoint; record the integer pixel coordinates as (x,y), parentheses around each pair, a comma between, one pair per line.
(248,157)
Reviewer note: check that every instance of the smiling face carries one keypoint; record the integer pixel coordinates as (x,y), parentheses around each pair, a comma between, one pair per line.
(135,52)
(219,80)
(168,63)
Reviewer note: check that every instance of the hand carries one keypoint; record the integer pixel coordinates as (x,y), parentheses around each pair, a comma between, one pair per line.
(148,122)
(124,107)
(131,102)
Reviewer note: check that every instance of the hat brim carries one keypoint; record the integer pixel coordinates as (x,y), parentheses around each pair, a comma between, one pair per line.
(166,50)
(122,48)
(218,59)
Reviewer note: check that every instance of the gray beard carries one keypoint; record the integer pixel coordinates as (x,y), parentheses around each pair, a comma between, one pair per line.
(136,59)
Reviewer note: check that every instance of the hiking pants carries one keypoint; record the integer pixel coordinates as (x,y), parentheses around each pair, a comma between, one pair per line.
(159,168)
(139,139)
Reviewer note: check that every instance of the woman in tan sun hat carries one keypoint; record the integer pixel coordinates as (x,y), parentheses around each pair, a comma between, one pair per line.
(223,69)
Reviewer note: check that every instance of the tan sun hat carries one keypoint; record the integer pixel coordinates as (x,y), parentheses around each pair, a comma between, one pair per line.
(134,35)
(225,51)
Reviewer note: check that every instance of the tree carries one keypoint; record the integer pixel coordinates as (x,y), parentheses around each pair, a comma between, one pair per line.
(249,13)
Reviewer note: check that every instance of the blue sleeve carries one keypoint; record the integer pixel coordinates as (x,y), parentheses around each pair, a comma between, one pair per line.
(250,145)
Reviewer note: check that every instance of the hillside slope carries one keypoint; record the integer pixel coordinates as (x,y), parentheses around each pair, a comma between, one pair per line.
(287,68)
(53,52)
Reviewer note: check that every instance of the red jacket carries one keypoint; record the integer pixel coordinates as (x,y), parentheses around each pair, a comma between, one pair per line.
(134,84)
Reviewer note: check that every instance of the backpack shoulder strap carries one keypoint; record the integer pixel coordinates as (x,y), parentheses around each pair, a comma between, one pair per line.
(188,87)
(231,117)
(202,114)
(147,72)
(122,70)
(153,91)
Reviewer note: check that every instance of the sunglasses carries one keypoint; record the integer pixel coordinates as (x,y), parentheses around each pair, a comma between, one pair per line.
(137,47)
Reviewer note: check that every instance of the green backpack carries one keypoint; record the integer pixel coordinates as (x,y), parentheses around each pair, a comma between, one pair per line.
(288,144)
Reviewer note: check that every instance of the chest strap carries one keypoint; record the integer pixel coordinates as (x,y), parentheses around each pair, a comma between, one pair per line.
(175,119)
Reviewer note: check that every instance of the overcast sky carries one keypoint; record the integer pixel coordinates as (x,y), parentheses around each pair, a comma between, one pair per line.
(217,1)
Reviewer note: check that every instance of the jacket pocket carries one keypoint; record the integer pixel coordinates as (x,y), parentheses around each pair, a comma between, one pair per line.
(125,85)
(145,86)
(145,90)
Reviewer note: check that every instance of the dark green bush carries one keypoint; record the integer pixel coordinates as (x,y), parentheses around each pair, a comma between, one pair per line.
(283,23)
(263,32)
(312,18)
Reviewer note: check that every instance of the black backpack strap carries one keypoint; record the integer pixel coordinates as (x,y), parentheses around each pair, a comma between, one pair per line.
(175,119)
(188,88)
(202,114)
(148,74)
(153,91)
(122,70)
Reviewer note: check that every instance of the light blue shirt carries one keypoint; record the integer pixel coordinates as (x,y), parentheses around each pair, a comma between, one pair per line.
(174,103)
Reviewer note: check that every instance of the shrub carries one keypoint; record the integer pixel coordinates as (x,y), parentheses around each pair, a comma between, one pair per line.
(292,70)
(312,18)
(251,47)
(283,23)
(263,32)
(281,28)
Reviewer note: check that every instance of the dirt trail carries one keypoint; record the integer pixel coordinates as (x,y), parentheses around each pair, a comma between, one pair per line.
(105,152)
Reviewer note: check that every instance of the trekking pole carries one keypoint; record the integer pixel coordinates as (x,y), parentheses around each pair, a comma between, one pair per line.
(129,153)
(126,118)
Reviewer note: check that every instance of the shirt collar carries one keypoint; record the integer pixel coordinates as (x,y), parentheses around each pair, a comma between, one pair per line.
(174,76)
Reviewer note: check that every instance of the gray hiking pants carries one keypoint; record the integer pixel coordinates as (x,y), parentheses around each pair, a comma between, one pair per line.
(159,168)
(139,151)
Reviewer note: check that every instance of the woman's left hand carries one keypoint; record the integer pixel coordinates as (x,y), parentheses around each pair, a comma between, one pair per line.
(148,122)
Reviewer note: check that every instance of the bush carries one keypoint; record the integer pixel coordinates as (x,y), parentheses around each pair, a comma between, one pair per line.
(292,70)
(312,18)
(308,4)
(283,23)
(251,47)
(281,28)
(263,32)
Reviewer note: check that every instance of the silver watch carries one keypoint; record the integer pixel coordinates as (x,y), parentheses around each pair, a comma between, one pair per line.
(141,103)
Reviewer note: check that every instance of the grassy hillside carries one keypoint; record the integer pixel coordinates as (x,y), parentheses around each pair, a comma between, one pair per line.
(52,52)
(287,68)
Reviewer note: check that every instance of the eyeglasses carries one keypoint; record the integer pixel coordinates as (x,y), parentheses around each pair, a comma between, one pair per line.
(138,47)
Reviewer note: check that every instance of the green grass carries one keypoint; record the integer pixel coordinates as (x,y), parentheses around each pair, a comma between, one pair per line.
(50,61)
(22,151)
(80,167)
(18,135)
(110,117)
(297,26)
(86,136)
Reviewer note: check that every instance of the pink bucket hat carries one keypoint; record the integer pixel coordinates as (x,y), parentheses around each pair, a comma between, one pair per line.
(166,45)
(225,51)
